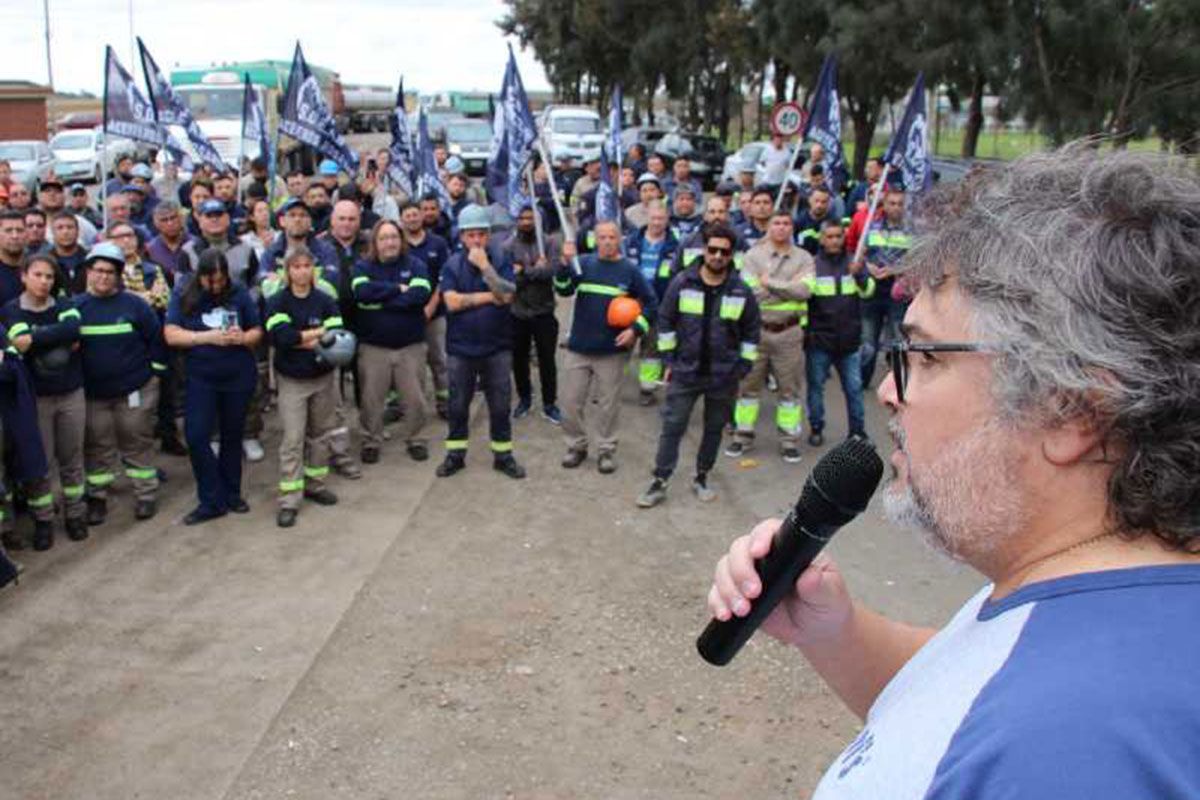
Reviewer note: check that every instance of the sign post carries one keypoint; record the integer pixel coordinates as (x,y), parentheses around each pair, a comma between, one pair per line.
(787,120)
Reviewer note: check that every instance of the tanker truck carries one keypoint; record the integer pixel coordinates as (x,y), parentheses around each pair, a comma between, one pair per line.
(366,108)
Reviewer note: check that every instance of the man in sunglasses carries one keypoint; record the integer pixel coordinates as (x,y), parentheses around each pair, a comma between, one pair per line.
(1043,403)
(708,332)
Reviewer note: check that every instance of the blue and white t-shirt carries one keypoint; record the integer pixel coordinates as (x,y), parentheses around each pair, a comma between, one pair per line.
(1079,688)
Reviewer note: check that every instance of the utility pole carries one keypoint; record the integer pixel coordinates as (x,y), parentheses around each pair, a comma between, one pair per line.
(132,61)
(49,64)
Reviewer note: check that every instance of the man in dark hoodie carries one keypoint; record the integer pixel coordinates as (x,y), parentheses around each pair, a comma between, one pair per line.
(533,315)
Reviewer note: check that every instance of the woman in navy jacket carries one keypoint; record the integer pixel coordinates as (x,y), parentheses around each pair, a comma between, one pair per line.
(217,324)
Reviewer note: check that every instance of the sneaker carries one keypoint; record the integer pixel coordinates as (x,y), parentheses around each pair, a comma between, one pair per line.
(76,529)
(552,414)
(701,489)
(655,493)
(43,535)
(418,452)
(145,509)
(286,517)
(454,462)
(522,409)
(97,512)
(736,449)
(606,464)
(322,497)
(791,455)
(509,466)
(772,384)
(370,455)
(574,458)
(816,439)
(198,515)
(646,398)
(860,435)
(253,449)
(348,470)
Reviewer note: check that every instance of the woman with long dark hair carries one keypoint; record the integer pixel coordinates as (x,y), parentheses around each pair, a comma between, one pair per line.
(217,324)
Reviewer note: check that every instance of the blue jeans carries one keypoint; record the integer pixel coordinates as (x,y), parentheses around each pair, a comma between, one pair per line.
(205,406)
(881,318)
(816,369)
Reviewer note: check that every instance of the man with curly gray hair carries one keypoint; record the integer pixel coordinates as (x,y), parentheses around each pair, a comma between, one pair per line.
(1045,405)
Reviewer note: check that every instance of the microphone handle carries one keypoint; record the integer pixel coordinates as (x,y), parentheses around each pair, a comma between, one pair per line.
(793,548)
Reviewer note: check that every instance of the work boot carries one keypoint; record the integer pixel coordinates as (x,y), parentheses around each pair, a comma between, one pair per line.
(522,409)
(646,398)
(97,511)
(454,462)
(418,452)
(507,464)
(606,464)
(816,438)
(791,455)
(322,497)
(348,470)
(43,535)
(655,493)
(370,455)
(574,458)
(76,528)
(736,449)
(145,509)
(286,517)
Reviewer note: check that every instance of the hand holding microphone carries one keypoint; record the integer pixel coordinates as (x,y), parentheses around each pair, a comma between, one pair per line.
(761,570)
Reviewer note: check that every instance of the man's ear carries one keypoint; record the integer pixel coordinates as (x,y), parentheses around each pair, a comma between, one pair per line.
(1079,434)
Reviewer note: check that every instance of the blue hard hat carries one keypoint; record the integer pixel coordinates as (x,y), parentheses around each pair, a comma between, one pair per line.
(142,171)
(213,206)
(474,218)
(455,166)
(328,167)
(106,251)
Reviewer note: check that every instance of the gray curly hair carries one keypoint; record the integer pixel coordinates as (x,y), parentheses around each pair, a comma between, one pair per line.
(1084,269)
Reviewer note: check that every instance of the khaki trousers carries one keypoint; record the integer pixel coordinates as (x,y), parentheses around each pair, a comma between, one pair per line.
(435,339)
(783,354)
(61,422)
(594,382)
(120,430)
(308,413)
(381,369)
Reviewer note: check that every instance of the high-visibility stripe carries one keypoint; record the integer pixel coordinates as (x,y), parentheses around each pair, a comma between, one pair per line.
(691,301)
(18,329)
(502,447)
(70,313)
(370,306)
(73,492)
(277,319)
(287,487)
(456,444)
(316,472)
(107,330)
(664,269)
(650,371)
(642,323)
(750,281)
(788,417)
(158,366)
(141,473)
(41,501)
(732,307)
(562,283)
(666,341)
(786,305)
(749,351)
(420,282)
(100,478)
(360,280)
(332,322)
(600,288)
(745,414)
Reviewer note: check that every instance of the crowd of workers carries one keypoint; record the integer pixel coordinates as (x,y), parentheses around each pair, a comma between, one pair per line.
(211,299)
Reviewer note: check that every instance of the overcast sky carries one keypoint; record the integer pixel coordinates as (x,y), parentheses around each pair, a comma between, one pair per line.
(453,44)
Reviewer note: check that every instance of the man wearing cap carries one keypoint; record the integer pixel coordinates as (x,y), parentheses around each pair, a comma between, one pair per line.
(12,254)
(143,207)
(122,174)
(81,205)
(295,221)
(685,219)
(52,200)
(649,192)
(216,234)
(780,274)
(123,352)
(652,249)
(586,183)
(478,343)
(259,173)
(327,175)
(681,173)
(596,351)
(166,248)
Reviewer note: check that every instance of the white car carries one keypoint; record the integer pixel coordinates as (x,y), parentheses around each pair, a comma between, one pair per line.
(30,161)
(77,155)
(574,131)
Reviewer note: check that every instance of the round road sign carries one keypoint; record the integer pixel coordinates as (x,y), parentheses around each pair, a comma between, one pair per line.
(787,119)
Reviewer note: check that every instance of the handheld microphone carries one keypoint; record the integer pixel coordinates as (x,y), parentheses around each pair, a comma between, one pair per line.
(838,490)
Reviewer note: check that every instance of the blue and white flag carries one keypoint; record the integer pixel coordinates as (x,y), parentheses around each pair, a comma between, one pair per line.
(607,209)
(909,149)
(254,124)
(824,123)
(171,109)
(400,169)
(178,152)
(307,118)
(126,111)
(513,135)
(427,171)
(614,126)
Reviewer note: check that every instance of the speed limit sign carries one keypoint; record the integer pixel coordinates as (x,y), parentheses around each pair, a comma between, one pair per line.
(787,119)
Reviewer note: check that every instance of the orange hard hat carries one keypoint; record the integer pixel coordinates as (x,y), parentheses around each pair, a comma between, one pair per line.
(623,312)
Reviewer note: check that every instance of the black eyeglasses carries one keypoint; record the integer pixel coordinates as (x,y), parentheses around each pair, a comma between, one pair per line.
(898,357)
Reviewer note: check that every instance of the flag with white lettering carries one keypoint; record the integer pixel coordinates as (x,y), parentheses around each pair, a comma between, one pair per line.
(427,171)
(909,148)
(824,123)
(606,196)
(254,125)
(308,119)
(126,111)
(514,132)
(400,169)
(171,109)
(614,125)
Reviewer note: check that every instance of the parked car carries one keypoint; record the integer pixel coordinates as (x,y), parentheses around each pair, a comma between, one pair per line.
(470,140)
(645,136)
(30,160)
(705,154)
(574,131)
(77,155)
(437,120)
(748,153)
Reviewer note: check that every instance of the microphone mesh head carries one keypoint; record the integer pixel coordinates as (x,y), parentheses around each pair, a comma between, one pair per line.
(848,474)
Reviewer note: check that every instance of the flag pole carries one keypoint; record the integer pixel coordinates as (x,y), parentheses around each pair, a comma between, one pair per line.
(533,204)
(104,150)
(558,206)
(862,240)
(787,175)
